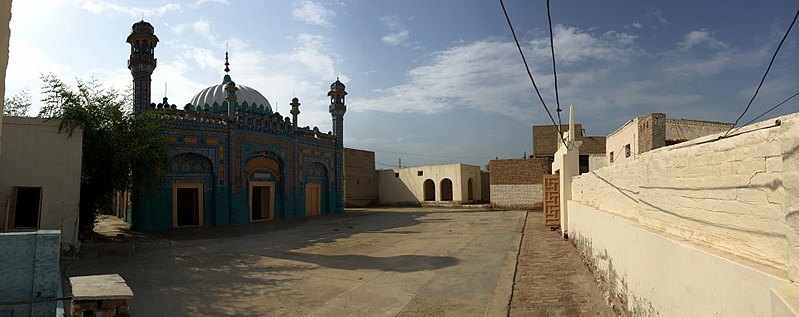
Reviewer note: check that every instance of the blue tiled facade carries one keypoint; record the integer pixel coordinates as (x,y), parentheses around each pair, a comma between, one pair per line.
(29,272)
(225,147)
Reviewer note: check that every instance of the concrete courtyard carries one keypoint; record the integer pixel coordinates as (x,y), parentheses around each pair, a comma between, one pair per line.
(381,262)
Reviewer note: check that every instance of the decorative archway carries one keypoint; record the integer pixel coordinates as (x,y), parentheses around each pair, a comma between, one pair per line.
(316,184)
(446,189)
(263,174)
(470,189)
(189,175)
(429,190)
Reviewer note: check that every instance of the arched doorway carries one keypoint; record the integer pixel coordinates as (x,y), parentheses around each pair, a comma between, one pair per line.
(191,175)
(429,190)
(316,181)
(263,177)
(446,189)
(470,189)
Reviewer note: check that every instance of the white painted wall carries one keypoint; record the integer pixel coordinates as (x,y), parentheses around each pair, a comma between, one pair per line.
(725,194)
(708,222)
(615,142)
(408,187)
(661,275)
(35,154)
(470,172)
(596,161)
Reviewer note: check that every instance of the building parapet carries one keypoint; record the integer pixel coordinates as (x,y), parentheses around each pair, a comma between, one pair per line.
(266,123)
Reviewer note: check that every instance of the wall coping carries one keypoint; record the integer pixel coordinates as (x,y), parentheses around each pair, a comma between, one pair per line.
(99,287)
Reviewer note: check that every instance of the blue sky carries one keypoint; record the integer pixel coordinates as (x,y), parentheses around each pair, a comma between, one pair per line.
(432,82)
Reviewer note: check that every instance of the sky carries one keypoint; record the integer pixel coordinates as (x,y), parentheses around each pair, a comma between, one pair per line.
(432,82)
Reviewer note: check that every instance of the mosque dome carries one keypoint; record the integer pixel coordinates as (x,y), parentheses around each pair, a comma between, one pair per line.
(216,93)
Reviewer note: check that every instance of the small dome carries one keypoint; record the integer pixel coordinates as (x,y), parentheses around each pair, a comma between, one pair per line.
(217,94)
(143,27)
(337,86)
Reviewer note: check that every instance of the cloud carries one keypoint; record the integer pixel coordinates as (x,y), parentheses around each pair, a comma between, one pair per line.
(100,7)
(199,3)
(655,14)
(637,25)
(687,66)
(398,33)
(694,38)
(481,75)
(573,46)
(487,76)
(311,12)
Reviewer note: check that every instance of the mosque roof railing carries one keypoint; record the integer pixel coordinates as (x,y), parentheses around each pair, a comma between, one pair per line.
(274,123)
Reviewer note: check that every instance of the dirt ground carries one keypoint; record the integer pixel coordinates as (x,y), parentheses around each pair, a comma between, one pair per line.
(378,262)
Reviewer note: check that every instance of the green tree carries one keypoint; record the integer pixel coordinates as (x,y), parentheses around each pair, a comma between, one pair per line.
(17,105)
(122,151)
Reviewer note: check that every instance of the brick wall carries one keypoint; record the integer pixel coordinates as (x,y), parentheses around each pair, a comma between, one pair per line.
(360,178)
(519,171)
(516,183)
(545,138)
(593,145)
(679,130)
(651,132)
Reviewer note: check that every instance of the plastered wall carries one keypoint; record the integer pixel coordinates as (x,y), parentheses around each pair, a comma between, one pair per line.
(648,273)
(405,186)
(704,227)
(35,154)
(726,194)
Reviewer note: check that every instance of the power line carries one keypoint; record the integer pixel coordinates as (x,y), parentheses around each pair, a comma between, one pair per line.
(439,156)
(554,70)
(772,108)
(773,57)
(387,165)
(530,74)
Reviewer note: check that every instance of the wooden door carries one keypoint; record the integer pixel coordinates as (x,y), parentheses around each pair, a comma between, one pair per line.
(313,199)
(551,188)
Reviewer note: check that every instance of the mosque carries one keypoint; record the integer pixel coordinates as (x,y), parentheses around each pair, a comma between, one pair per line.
(232,160)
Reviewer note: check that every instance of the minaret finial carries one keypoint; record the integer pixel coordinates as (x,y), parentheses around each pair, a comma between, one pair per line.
(227,69)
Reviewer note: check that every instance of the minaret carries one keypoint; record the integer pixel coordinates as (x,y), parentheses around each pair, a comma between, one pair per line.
(230,89)
(337,110)
(295,110)
(142,63)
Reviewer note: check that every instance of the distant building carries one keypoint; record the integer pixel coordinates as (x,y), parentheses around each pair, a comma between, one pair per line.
(435,184)
(37,191)
(516,183)
(360,178)
(592,150)
(653,131)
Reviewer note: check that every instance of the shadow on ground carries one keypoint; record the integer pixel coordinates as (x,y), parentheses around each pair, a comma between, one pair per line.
(239,270)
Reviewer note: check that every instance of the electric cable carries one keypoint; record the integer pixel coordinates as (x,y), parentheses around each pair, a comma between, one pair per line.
(773,57)
(529,74)
(554,70)
(772,108)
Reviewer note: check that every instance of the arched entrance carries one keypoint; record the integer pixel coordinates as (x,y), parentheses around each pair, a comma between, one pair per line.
(191,175)
(470,190)
(263,176)
(446,189)
(429,190)
(315,189)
